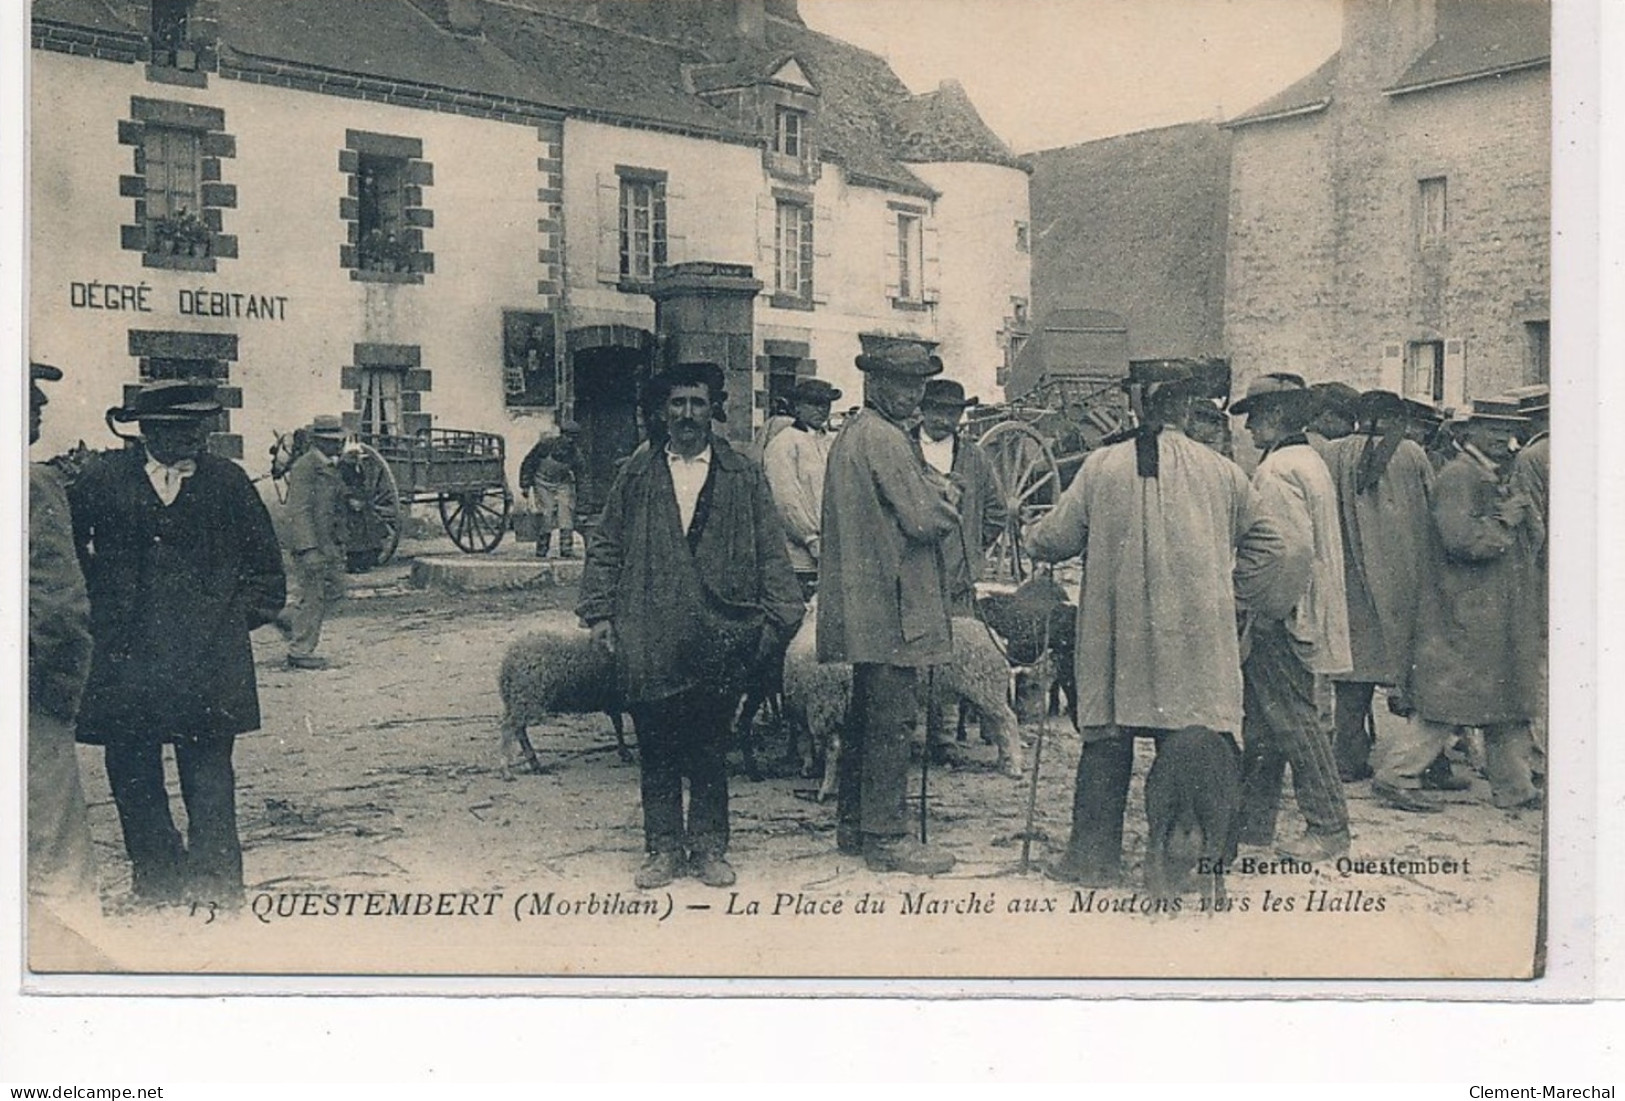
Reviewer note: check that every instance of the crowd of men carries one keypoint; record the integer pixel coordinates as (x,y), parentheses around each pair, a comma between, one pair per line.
(1373,546)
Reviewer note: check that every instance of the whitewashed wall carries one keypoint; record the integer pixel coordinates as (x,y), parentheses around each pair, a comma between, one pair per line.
(286,170)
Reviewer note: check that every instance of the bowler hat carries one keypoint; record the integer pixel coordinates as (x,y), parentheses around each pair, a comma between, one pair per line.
(901,358)
(1275,388)
(1158,372)
(1337,397)
(44,372)
(168,400)
(325,426)
(947,394)
(1375,405)
(814,391)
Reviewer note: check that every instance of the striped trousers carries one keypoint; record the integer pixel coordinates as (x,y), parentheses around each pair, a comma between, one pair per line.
(1281,726)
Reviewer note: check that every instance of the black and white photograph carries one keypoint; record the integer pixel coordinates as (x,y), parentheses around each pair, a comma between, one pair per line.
(790,489)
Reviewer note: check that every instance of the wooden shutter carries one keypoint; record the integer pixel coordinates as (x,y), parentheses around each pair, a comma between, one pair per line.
(892,260)
(820,233)
(1455,374)
(766,240)
(676,221)
(931,261)
(1392,358)
(609,228)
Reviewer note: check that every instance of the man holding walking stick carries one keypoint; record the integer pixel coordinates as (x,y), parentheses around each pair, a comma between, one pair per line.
(883,602)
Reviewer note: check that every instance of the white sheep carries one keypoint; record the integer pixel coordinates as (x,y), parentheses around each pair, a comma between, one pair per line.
(555,671)
(816,695)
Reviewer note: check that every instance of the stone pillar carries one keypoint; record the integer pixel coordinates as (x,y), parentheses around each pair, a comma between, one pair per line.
(706,311)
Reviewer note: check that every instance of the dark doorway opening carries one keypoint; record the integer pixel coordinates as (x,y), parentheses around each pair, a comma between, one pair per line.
(607,383)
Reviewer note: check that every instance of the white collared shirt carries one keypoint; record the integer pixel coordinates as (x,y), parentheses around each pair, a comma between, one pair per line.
(687,479)
(938,453)
(166,480)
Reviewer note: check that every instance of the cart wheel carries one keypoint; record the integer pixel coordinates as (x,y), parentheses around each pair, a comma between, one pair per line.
(386,499)
(477,519)
(1029,484)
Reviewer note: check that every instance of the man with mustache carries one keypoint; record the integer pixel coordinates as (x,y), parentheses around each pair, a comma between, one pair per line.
(687,582)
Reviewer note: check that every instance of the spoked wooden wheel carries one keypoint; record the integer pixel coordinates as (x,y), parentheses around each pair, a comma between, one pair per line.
(476,520)
(385,497)
(1029,485)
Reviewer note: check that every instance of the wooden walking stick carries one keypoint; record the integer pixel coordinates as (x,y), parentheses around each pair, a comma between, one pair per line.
(925,757)
(1047,661)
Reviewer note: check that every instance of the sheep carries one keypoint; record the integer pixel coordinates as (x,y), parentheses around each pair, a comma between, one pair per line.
(1035,614)
(557,671)
(816,696)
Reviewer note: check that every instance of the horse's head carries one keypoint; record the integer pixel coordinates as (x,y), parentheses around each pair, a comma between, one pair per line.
(287,448)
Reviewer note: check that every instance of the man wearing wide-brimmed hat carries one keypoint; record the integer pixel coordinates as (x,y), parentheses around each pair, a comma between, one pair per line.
(1285,654)
(1172,536)
(1335,414)
(318,521)
(61,865)
(794,460)
(981,512)
(1477,652)
(181,564)
(1384,484)
(687,584)
(883,601)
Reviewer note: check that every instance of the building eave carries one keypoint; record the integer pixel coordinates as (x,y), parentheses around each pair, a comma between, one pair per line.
(1306,109)
(1464,78)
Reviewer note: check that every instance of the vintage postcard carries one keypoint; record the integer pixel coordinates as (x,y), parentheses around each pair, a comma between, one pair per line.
(790,489)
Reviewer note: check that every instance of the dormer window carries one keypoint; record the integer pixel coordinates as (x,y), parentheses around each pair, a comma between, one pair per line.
(788,136)
(170,37)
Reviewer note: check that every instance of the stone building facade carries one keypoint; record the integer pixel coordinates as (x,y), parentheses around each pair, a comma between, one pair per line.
(454,213)
(1389,214)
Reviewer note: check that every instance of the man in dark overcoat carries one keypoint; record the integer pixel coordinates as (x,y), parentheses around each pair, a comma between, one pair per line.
(883,601)
(181,564)
(688,584)
(1384,494)
(1476,661)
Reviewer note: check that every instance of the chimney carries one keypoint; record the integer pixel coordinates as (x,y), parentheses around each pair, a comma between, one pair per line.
(739,22)
(1381,38)
(750,21)
(464,17)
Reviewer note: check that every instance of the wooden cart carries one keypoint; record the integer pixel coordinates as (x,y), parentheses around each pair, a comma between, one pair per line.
(463,473)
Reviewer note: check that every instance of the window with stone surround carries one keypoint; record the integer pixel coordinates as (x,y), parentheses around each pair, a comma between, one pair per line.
(912,267)
(197,356)
(642,224)
(1433,215)
(910,248)
(179,196)
(793,252)
(387,383)
(383,210)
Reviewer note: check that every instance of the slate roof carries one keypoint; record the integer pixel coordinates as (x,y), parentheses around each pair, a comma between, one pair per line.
(93,15)
(1136,225)
(614,60)
(1488,37)
(1312,93)
(944,125)
(1475,38)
